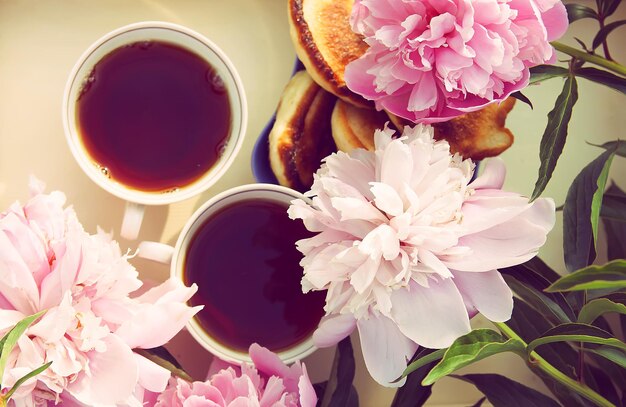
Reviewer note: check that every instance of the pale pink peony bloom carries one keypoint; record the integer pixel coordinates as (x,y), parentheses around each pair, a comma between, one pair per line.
(266,383)
(92,324)
(408,248)
(429,60)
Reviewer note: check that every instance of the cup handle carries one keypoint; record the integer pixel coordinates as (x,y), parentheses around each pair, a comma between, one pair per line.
(155,251)
(133,216)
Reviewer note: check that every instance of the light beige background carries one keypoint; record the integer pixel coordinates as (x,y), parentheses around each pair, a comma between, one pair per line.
(41,40)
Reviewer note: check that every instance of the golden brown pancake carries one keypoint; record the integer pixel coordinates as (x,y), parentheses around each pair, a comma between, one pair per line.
(354,127)
(474,135)
(325,43)
(301,135)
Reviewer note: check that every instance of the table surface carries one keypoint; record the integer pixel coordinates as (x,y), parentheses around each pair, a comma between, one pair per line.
(41,40)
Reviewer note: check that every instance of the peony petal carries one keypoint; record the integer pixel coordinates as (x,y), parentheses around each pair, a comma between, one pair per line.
(486,292)
(432,317)
(387,199)
(332,329)
(385,349)
(308,398)
(152,377)
(111,377)
(493,175)
(147,329)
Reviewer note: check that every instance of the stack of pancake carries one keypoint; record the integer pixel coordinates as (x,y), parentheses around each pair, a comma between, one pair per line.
(318,114)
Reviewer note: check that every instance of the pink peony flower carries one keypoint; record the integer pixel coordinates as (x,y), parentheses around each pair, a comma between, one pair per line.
(268,383)
(431,60)
(48,262)
(408,248)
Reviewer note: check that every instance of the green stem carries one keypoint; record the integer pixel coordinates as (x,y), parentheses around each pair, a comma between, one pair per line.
(542,364)
(594,59)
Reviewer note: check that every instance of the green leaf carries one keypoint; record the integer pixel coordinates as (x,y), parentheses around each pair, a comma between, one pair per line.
(593,309)
(578,11)
(339,389)
(610,275)
(529,325)
(618,146)
(164,363)
(596,201)
(412,393)
(538,300)
(522,98)
(504,392)
(541,73)
(554,136)
(470,348)
(604,32)
(581,211)
(423,361)
(10,339)
(22,379)
(603,77)
(576,333)
(615,355)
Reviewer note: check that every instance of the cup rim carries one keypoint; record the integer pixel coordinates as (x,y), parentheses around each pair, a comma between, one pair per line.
(158,197)
(298,351)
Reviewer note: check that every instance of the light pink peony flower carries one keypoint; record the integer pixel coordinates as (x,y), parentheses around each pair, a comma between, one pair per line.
(268,383)
(408,246)
(431,60)
(48,262)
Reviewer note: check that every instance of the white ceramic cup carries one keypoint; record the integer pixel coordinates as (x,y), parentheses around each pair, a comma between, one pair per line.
(180,36)
(176,257)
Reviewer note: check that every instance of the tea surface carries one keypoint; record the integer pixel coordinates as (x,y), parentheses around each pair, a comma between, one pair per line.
(247,269)
(155,115)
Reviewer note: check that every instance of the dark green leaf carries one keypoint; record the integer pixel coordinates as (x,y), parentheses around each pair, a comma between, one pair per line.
(554,136)
(604,32)
(542,268)
(610,360)
(593,309)
(339,390)
(611,275)
(616,355)
(479,402)
(22,379)
(615,231)
(602,383)
(541,73)
(10,339)
(522,98)
(423,360)
(578,11)
(608,7)
(470,348)
(504,392)
(581,211)
(613,207)
(576,333)
(604,78)
(618,146)
(538,300)
(412,393)
(171,367)
(582,44)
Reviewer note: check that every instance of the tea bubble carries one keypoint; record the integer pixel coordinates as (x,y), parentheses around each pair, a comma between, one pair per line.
(216,81)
